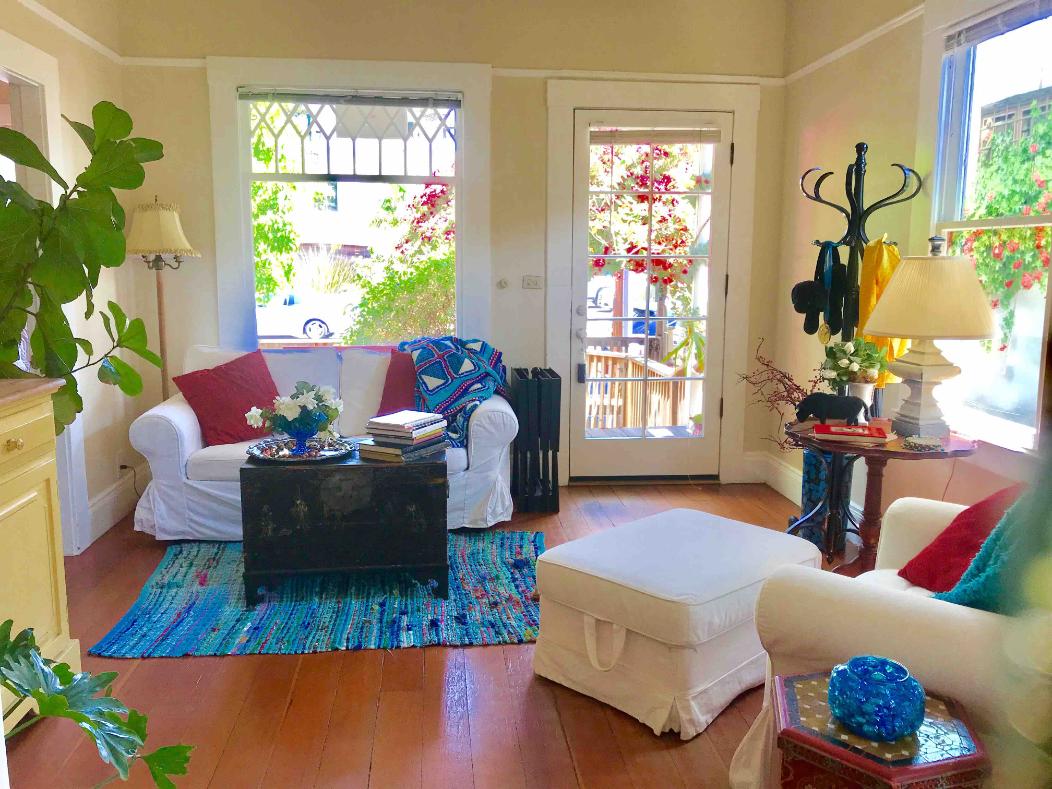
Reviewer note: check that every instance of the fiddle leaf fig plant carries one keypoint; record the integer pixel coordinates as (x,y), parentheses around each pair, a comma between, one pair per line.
(53,255)
(119,733)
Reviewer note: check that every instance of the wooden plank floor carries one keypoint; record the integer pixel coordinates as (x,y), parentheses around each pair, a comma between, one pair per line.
(434,717)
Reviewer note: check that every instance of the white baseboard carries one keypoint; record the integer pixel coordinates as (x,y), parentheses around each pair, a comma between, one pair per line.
(110,505)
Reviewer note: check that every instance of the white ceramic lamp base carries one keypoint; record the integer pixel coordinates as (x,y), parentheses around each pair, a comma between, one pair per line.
(921,370)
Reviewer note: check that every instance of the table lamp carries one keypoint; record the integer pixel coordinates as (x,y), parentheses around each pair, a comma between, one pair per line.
(929,298)
(156,232)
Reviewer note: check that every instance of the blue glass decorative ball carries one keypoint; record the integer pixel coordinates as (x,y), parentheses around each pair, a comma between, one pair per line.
(876,698)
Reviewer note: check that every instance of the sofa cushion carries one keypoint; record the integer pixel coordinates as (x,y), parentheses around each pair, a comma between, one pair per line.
(681,577)
(942,563)
(221,395)
(318,366)
(362,376)
(219,463)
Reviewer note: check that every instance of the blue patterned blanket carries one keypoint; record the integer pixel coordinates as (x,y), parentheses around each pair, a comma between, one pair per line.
(454,377)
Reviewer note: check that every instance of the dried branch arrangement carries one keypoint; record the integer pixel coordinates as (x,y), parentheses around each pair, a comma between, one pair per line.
(778,391)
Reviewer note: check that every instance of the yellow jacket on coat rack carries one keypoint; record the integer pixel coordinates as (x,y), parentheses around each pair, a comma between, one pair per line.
(879,261)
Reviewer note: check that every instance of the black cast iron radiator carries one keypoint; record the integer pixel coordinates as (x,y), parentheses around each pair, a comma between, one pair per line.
(535,396)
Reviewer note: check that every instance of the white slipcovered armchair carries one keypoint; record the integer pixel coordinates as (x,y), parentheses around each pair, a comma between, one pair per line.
(195,493)
(810,620)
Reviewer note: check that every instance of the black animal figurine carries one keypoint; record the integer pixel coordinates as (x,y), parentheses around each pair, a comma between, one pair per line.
(827,406)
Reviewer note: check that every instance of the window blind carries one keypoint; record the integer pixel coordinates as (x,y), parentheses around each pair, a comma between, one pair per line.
(653,136)
(971,34)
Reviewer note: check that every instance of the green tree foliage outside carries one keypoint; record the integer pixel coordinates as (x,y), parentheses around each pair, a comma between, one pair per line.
(274,238)
(412,292)
(1012,179)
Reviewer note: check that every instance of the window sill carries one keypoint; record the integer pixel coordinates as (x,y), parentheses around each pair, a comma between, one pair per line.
(989,429)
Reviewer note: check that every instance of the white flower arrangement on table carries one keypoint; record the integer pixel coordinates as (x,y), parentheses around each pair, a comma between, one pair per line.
(310,410)
(857,361)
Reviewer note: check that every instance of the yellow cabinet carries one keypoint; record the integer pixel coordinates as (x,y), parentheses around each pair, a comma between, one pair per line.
(32,576)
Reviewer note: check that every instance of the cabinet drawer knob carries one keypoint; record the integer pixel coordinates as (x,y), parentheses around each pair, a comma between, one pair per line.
(14,444)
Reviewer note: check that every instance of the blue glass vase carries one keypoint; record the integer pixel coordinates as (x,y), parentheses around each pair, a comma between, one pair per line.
(302,429)
(876,698)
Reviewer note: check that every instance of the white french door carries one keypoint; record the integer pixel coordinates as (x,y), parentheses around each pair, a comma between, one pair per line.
(650,226)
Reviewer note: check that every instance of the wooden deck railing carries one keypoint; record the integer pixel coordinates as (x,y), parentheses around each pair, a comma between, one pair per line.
(613,403)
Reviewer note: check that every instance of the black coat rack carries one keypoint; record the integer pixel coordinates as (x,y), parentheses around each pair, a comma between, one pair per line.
(834,510)
(857,214)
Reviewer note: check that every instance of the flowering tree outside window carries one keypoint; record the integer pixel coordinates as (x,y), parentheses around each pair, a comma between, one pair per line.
(1012,179)
(412,292)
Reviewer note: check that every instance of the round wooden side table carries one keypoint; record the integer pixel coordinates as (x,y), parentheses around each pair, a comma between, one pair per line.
(876,458)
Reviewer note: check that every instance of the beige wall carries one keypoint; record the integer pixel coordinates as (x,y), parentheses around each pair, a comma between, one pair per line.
(87,77)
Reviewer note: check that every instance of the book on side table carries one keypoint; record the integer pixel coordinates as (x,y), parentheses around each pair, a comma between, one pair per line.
(855,434)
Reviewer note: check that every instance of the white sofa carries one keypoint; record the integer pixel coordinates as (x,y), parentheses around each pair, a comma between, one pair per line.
(195,493)
(809,620)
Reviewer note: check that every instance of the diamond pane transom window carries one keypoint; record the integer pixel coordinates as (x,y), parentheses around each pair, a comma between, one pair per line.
(351,137)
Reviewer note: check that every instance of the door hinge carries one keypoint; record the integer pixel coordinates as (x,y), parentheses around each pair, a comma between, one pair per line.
(726,284)
(732,153)
(721,408)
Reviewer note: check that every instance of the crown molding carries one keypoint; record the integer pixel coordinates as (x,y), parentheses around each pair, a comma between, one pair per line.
(858,43)
(527,73)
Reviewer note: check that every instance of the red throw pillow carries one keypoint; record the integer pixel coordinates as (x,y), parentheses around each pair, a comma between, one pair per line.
(221,395)
(940,565)
(399,386)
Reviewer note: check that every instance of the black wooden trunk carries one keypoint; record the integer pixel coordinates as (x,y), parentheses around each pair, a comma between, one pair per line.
(355,515)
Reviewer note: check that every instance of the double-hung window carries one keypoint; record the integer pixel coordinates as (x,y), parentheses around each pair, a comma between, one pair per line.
(994,201)
(353,215)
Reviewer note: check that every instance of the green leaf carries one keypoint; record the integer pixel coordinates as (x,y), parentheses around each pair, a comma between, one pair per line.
(84,345)
(59,267)
(9,190)
(66,403)
(169,760)
(118,372)
(111,122)
(146,150)
(14,321)
(85,132)
(134,339)
(18,239)
(22,150)
(113,166)
(120,320)
(108,326)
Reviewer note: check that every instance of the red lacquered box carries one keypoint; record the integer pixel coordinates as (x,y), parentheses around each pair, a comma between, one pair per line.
(819,753)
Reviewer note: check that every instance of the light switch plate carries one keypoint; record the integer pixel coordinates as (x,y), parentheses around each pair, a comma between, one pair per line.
(533,282)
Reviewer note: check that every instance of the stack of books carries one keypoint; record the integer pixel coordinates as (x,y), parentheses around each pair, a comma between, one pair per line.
(866,435)
(402,436)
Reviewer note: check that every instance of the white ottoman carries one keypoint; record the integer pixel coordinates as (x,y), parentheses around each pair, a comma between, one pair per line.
(655,617)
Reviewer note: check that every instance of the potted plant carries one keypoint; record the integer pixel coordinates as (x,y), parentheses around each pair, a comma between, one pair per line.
(309,411)
(856,364)
(52,255)
(85,699)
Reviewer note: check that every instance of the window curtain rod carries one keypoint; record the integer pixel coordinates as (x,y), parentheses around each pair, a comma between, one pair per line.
(442,100)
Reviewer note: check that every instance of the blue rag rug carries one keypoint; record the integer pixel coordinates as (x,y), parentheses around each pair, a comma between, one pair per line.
(194,604)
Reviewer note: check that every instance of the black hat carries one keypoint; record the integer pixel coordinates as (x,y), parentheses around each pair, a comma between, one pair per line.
(824,293)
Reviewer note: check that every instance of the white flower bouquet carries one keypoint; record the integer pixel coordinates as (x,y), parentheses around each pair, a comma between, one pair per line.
(309,411)
(857,361)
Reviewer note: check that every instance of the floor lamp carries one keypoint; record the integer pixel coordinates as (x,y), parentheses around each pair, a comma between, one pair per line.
(156,232)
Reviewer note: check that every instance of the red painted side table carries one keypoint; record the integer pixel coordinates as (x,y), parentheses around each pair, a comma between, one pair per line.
(819,753)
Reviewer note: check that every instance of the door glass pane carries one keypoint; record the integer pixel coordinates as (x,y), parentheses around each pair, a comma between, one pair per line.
(649,207)
(674,408)
(615,409)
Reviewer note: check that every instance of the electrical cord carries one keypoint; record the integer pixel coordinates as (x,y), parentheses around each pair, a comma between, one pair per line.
(135,479)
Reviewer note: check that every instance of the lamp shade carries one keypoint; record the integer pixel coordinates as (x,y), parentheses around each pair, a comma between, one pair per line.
(156,230)
(933,298)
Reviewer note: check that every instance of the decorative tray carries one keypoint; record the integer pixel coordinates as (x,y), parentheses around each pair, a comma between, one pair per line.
(319,450)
